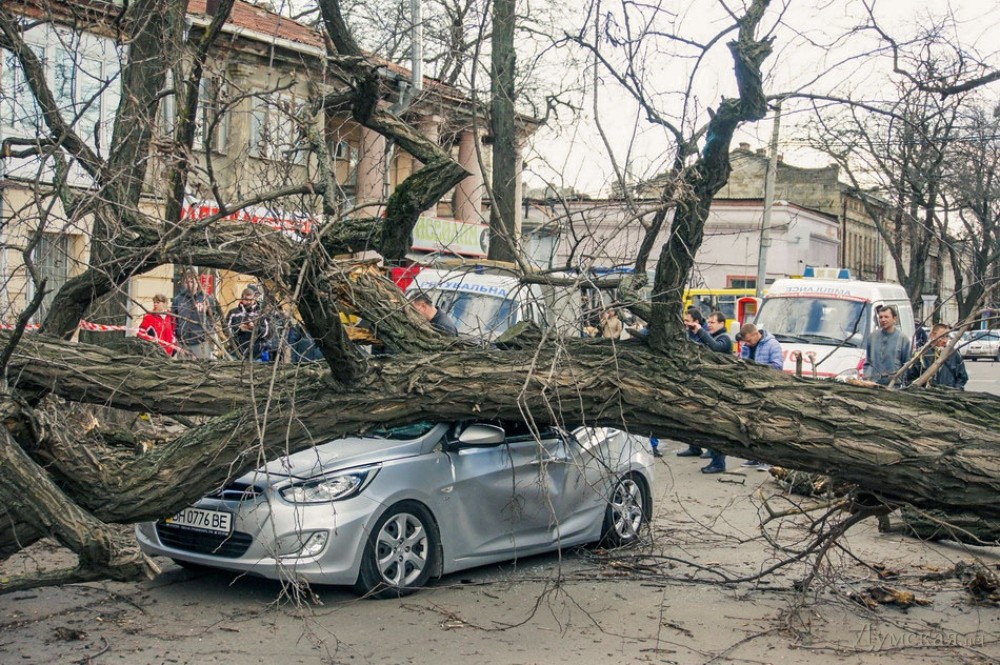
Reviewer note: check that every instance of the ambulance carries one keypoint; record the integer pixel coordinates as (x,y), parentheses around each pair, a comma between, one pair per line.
(828,321)
(485,298)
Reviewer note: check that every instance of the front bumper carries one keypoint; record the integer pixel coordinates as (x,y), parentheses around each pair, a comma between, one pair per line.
(268,539)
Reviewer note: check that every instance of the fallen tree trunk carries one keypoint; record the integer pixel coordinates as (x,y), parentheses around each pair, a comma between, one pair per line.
(938,525)
(933,449)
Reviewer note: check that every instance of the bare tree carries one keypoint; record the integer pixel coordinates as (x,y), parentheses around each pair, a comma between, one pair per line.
(895,156)
(503,208)
(972,231)
(62,480)
(453,31)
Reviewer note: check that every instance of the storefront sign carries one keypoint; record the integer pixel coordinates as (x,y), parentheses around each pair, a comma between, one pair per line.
(279,220)
(432,234)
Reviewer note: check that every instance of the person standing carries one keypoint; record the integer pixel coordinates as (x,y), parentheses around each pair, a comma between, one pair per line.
(195,313)
(159,325)
(693,318)
(952,372)
(438,319)
(761,347)
(714,336)
(249,330)
(887,349)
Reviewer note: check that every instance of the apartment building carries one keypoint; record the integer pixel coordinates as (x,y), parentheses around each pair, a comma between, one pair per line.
(253,134)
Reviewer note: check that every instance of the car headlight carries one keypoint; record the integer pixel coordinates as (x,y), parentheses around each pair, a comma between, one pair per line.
(332,487)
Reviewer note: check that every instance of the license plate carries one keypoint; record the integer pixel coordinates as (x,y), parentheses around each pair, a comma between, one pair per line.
(215,521)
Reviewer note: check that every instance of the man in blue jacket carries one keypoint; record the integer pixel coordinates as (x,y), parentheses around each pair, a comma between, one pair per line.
(762,348)
(714,336)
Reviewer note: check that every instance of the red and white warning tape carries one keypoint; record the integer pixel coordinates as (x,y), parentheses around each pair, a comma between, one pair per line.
(100,327)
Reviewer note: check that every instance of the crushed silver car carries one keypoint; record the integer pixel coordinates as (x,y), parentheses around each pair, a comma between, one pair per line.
(385,512)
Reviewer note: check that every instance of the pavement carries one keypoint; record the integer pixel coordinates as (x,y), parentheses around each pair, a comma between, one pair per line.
(675,599)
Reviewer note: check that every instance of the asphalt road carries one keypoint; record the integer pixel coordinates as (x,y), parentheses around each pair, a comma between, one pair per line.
(984,376)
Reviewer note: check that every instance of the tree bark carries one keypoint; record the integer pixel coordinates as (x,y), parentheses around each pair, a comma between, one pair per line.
(932,448)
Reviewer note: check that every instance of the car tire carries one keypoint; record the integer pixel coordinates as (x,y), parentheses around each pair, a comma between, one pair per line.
(400,553)
(628,511)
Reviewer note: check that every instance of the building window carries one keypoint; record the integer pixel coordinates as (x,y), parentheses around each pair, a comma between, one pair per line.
(18,108)
(277,129)
(211,115)
(341,151)
(79,81)
(741,282)
(81,71)
(51,257)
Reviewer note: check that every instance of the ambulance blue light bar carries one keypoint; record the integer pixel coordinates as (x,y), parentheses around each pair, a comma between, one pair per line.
(827,273)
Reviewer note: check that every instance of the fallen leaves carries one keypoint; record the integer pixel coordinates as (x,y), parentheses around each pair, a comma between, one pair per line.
(877,595)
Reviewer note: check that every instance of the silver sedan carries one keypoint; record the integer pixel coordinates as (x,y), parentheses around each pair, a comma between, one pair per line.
(385,512)
(980,344)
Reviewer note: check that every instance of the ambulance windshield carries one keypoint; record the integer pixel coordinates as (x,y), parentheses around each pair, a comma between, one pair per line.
(813,320)
(479,315)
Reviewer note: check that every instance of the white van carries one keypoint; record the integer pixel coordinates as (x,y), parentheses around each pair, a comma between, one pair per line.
(830,318)
(486,298)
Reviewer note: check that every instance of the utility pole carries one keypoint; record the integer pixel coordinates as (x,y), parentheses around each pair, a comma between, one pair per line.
(417,47)
(765,226)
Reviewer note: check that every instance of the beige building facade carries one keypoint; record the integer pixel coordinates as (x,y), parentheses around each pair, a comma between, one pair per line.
(255,131)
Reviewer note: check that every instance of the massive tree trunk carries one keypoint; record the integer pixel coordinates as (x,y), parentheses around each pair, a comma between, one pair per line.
(931,448)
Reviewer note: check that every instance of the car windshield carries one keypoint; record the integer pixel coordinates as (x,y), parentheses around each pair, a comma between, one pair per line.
(477,314)
(815,320)
(403,432)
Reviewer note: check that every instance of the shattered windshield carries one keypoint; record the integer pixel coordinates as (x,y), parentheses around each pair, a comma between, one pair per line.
(815,320)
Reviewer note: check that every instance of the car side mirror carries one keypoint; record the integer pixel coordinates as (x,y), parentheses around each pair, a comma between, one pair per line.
(481,436)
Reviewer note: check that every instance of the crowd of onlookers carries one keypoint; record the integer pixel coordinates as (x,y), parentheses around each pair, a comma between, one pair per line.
(187,328)
(891,360)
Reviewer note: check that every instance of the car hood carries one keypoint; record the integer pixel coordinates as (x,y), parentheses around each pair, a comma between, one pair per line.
(337,454)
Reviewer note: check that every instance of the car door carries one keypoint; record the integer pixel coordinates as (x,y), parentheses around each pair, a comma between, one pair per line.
(547,481)
(507,498)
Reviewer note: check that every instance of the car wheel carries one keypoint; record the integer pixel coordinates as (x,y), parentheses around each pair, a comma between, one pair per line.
(400,552)
(628,511)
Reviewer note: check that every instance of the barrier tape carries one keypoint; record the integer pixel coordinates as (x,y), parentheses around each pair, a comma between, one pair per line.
(100,327)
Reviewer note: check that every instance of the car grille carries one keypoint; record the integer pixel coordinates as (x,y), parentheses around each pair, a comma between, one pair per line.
(192,540)
(238,492)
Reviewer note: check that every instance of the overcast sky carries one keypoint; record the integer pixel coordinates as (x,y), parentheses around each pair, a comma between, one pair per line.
(810,53)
